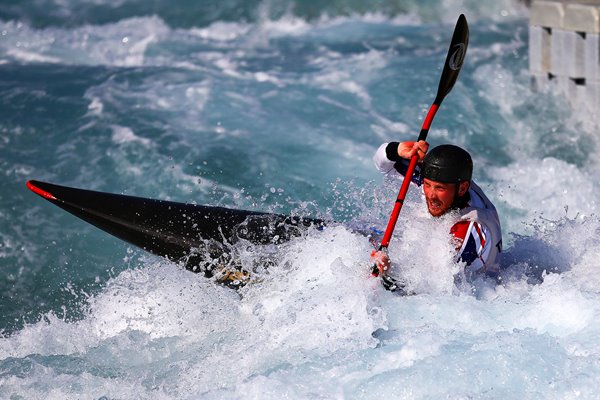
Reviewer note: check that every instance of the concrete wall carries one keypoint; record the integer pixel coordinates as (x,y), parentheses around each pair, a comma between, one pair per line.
(564,50)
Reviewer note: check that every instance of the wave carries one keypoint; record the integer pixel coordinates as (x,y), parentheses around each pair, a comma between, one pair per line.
(158,331)
(188,13)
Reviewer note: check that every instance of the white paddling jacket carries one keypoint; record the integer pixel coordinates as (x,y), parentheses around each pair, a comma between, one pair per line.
(477,233)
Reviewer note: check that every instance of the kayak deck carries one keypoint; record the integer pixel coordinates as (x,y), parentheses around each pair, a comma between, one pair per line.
(195,235)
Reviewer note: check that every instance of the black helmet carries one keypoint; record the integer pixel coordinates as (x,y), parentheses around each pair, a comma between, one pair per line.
(447,164)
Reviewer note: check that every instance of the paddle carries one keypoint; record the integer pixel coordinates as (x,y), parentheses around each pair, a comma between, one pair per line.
(454,60)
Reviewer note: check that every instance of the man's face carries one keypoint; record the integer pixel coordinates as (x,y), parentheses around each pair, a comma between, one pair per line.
(440,196)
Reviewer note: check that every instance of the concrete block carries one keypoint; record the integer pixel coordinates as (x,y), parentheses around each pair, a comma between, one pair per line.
(574,54)
(559,47)
(592,58)
(582,17)
(539,49)
(547,13)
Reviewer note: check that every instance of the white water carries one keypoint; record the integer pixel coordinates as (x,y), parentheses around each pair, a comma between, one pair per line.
(315,324)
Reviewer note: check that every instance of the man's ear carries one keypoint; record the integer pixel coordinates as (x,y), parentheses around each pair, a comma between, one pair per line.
(463,187)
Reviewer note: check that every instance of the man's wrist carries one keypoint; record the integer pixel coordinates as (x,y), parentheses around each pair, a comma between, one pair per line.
(391,151)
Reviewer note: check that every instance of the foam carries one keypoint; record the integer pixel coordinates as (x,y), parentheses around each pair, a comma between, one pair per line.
(123,134)
(123,43)
(304,303)
(315,313)
(222,31)
(530,189)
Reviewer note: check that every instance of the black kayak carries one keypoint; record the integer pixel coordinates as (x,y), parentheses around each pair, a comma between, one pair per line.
(193,234)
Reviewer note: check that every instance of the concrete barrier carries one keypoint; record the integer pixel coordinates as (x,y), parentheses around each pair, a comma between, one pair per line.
(592,57)
(564,50)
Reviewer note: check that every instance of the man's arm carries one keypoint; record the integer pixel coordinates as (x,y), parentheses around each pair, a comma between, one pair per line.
(382,162)
(390,153)
(394,155)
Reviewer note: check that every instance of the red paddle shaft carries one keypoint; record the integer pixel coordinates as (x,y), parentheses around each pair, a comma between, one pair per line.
(406,182)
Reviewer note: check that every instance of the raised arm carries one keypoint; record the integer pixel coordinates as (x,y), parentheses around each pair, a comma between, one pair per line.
(388,154)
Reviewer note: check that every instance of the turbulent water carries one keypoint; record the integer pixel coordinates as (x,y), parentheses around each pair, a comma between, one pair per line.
(279,106)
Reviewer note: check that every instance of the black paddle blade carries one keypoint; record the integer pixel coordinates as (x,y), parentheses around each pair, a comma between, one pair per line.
(454,59)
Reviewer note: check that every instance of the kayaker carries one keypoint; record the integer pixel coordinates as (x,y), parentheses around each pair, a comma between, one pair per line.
(445,176)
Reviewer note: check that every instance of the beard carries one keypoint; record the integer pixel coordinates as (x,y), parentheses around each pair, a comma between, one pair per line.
(436,207)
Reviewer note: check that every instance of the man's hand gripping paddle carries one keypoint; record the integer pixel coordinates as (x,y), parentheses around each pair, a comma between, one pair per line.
(454,61)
